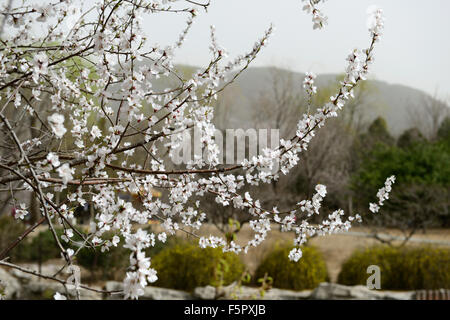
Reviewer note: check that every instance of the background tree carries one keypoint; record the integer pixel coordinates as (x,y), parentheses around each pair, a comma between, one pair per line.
(428,114)
(422,172)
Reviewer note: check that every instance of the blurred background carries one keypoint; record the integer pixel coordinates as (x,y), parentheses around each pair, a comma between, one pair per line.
(397,124)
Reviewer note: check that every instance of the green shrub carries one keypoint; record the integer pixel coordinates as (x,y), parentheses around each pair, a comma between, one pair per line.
(103,265)
(407,268)
(186,266)
(42,247)
(10,230)
(109,265)
(307,273)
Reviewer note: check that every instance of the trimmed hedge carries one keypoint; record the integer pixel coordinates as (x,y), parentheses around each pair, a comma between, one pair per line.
(307,273)
(185,266)
(408,268)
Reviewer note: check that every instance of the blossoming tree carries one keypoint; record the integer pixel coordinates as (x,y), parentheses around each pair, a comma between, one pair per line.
(94,68)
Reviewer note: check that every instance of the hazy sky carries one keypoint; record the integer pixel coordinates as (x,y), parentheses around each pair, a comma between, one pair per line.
(414,50)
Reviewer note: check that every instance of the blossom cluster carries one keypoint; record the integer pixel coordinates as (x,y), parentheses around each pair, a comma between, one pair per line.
(308,84)
(382,194)
(375,22)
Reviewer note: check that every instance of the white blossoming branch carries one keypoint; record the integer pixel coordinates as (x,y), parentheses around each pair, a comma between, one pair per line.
(318,18)
(382,194)
(106,109)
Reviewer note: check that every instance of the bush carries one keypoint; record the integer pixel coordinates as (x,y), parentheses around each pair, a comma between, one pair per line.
(109,265)
(10,230)
(186,266)
(307,273)
(401,268)
(112,265)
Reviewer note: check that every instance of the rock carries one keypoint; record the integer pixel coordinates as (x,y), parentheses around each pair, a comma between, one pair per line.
(205,293)
(150,293)
(22,276)
(232,291)
(391,295)
(155,293)
(333,291)
(282,294)
(248,293)
(113,286)
(9,286)
(34,287)
(48,269)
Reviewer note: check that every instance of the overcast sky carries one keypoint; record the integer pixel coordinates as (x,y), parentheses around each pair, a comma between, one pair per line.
(414,50)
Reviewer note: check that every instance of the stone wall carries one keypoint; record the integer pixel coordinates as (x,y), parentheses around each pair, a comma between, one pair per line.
(20,285)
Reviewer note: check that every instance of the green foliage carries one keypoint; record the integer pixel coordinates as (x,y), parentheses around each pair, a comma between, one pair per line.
(420,164)
(401,268)
(186,266)
(444,130)
(419,196)
(307,273)
(42,247)
(410,137)
(377,136)
(266,284)
(110,265)
(234,226)
(379,127)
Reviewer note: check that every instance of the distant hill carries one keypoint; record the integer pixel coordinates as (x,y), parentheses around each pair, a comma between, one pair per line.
(391,101)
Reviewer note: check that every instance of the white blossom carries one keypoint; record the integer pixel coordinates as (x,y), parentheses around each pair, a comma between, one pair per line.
(374,207)
(65,172)
(162,237)
(308,83)
(58,296)
(40,65)
(382,194)
(53,159)
(318,18)
(375,21)
(56,122)
(22,212)
(70,252)
(295,254)
(95,132)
